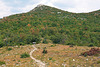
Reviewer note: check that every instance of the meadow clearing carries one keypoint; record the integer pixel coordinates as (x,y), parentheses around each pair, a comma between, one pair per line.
(57,56)
(66,56)
(12,58)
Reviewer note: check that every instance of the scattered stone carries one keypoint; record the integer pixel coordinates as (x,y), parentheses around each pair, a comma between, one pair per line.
(16,46)
(78,66)
(64,65)
(59,12)
(3,65)
(87,59)
(73,59)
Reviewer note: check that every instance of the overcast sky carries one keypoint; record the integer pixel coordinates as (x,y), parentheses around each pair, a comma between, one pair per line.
(8,7)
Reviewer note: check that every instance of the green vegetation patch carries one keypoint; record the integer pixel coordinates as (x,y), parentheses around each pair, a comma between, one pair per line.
(98,62)
(2,62)
(80,29)
(9,49)
(25,55)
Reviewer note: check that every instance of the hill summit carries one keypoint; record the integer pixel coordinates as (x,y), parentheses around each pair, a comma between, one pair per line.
(39,7)
(42,7)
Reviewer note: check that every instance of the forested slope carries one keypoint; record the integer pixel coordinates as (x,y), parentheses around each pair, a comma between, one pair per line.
(51,25)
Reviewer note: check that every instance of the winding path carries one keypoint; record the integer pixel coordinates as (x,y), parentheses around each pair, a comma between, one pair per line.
(40,63)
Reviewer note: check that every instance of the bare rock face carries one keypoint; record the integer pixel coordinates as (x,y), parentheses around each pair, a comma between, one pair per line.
(38,7)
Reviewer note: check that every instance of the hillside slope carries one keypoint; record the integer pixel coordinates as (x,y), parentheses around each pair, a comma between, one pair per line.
(52,25)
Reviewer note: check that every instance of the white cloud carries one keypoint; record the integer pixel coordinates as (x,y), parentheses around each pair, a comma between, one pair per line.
(4,10)
(32,6)
(85,6)
(77,5)
(67,5)
(27,8)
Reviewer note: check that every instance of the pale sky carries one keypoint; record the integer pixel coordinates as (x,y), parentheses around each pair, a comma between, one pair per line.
(9,7)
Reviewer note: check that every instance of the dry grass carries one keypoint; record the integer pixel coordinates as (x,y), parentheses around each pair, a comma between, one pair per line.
(12,58)
(57,56)
(63,54)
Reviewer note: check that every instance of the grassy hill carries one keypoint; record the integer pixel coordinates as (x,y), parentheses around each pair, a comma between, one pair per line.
(51,25)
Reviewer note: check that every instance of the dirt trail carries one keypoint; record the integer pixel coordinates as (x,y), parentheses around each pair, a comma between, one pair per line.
(40,63)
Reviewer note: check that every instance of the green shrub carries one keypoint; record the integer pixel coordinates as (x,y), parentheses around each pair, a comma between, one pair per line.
(1,44)
(98,62)
(53,60)
(50,58)
(25,55)
(9,49)
(70,44)
(31,38)
(96,55)
(53,45)
(2,62)
(45,41)
(91,45)
(21,43)
(58,38)
(44,51)
(85,54)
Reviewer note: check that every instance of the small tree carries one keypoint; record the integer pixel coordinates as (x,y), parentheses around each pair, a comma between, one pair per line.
(44,50)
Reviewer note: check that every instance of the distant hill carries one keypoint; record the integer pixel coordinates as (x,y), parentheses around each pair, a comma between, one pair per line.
(51,25)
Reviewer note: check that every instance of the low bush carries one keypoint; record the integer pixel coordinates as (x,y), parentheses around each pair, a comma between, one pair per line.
(91,45)
(2,62)
(98,62)
(44,51)
(58,38)
(52,45)
(85,54)
(25,55)
(45,41)
(71,46)
(9,49)
(50,58)
(33,38)
(91,52)
(1,44)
